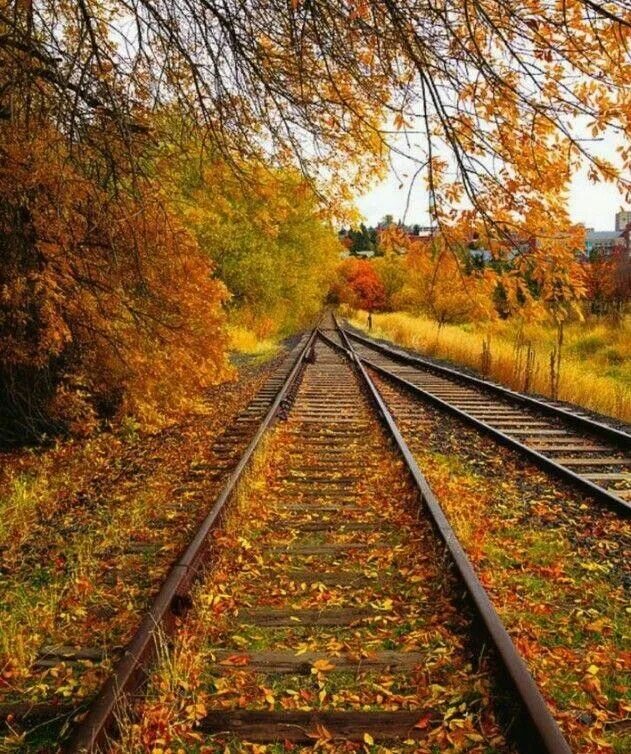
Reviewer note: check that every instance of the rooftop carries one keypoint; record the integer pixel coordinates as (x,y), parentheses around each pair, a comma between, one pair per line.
(602,235)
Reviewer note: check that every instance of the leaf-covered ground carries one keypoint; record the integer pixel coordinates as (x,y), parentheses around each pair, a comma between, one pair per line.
(556,565)
(87,532)
(395,570)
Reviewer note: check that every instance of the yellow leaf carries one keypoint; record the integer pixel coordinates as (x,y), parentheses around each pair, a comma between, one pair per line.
(323,665)
(368,739)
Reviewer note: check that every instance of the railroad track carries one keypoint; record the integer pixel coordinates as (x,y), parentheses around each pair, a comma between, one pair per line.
(353,570)
(208,474)
(592,455)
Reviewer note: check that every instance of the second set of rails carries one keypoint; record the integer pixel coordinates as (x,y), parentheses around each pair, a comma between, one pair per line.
(590,454)
(331,405)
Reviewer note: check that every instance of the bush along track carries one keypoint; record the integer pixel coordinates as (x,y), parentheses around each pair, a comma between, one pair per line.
(330,616)
(89,530)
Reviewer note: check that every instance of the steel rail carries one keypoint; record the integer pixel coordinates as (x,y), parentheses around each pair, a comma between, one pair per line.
(171,601)
(616,436)
(535,730)
(548,464)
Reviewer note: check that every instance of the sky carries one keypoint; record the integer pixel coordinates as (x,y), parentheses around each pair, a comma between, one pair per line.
(595,205)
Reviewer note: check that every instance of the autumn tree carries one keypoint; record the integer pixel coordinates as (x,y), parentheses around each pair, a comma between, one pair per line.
(608,281)
(438,285)
(107,306)
(265,232)
(491,86)
(392,273)
(359,285)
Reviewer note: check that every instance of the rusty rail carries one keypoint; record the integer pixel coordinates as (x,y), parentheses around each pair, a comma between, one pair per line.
(172,601)
(613,435)
(535,729)
(598,429)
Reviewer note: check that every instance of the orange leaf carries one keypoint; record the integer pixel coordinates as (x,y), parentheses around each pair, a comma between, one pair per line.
(323,665)
(424,721)
(236,660)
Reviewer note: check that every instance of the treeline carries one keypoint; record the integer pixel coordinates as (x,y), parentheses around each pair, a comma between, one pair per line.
(116,290)
(364,240)
(428,278)
(466,283)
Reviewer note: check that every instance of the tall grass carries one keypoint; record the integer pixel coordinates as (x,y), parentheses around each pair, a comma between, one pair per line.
(19,507)
(595,368)
(246,342)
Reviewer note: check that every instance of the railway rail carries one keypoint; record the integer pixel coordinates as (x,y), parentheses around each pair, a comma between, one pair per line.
(592,455)
(333,505)
(208,474)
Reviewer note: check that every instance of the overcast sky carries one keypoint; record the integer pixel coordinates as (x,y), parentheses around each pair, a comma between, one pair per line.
(594,205)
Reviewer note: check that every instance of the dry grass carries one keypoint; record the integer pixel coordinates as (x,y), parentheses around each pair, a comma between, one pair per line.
(246,342)
(596,367)
(19,507)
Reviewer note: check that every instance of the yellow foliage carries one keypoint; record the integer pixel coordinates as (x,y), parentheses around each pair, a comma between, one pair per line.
(428,276)
(247,342)
(264,232)
(107,306)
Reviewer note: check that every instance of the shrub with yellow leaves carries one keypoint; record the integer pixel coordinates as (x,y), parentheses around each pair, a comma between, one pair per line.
(107,305)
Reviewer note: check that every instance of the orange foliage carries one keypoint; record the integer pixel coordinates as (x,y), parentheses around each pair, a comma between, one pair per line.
(499,93)
(106,304)
(436,280)
(608,280)
(359,285)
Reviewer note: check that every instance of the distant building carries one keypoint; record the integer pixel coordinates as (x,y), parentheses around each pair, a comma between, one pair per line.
(602,241)
(420,232)
(623,218)
(625,238)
